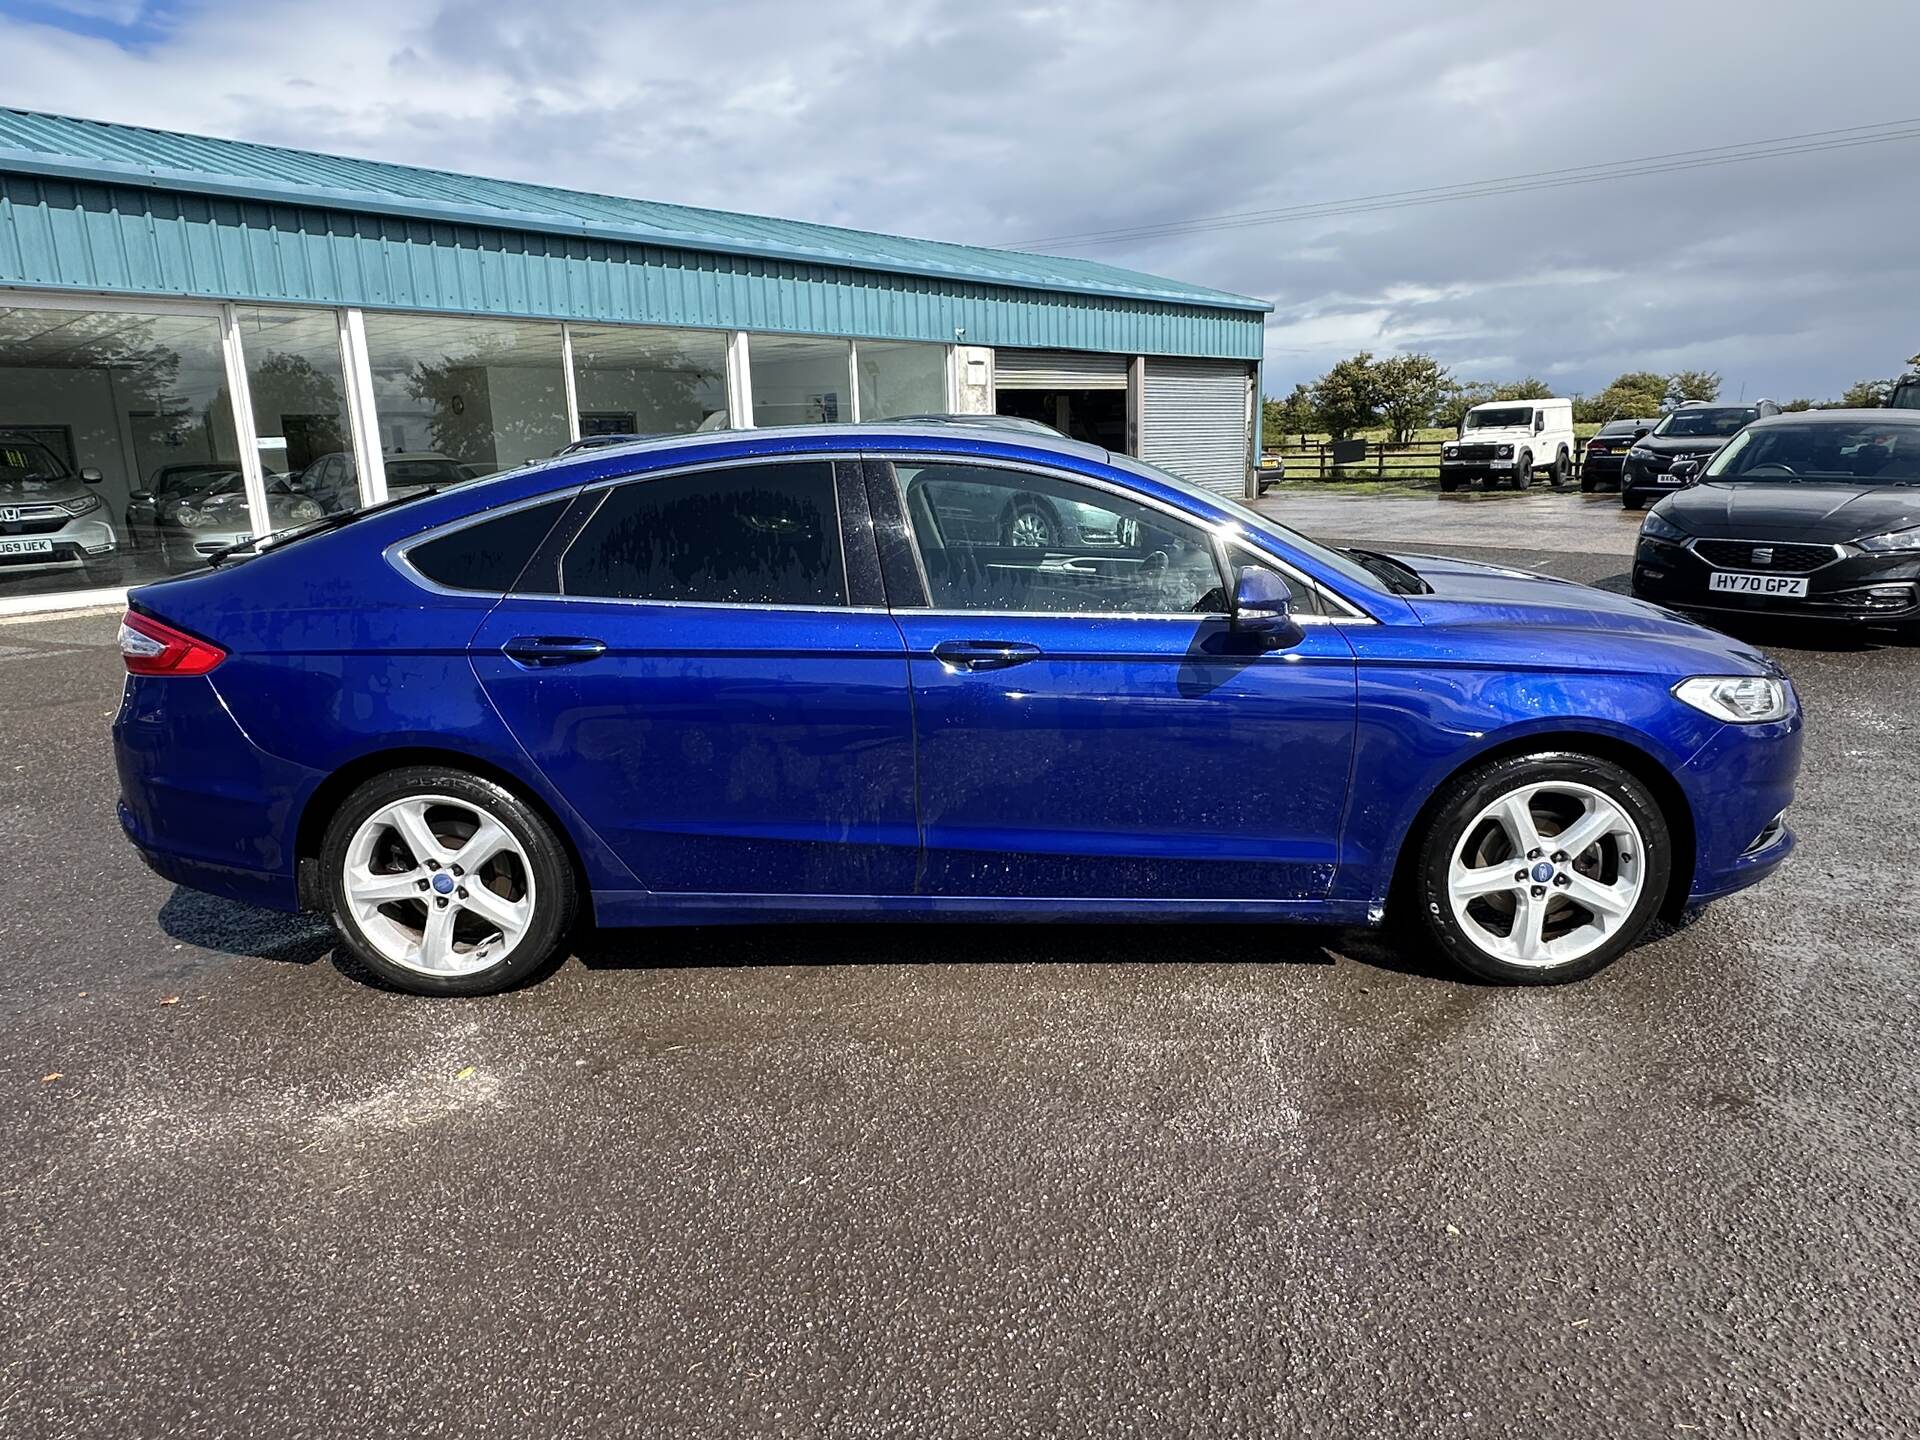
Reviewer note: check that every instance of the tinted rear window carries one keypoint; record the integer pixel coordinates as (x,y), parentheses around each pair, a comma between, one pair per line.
(738,535)
(488,555)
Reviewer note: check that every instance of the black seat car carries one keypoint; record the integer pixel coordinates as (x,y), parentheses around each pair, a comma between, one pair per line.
(1814,515)
(1693,432)
(1607,452)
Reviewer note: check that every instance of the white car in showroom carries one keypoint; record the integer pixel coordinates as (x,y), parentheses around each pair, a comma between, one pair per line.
(52,519)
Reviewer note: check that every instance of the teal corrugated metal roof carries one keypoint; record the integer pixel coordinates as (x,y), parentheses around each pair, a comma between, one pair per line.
(58,145)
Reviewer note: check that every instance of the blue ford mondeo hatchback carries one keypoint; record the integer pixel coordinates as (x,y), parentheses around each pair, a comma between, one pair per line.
(925,669)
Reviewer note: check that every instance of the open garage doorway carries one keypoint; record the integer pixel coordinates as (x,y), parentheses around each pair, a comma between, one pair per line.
(1082,395)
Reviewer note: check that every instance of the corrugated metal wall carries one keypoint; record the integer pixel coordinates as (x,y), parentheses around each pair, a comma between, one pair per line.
(1058,370)
(57,234)
(1198,422)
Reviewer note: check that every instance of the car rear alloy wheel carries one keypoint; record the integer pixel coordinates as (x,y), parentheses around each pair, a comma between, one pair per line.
(1030,526)
(1544,868)
(446,884)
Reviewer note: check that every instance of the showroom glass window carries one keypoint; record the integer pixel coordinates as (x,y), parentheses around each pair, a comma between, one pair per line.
(131,399)
(799,382)
(1025,542)
(298,389)
(900,378)
(734,535)
(457,398)
(632,381)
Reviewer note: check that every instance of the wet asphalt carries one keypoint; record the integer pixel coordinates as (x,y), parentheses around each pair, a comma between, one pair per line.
(937,1180)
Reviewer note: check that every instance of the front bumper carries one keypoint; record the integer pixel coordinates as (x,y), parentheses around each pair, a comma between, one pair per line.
(1476,469)
(1740,787)
(73,545)
(1858,589)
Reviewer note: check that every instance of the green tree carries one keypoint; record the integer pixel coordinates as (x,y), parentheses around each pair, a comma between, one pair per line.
(1347,397)
(1460,397)
(1527,389)
(1635,395)
(1866,395)
(1794,407)
(1409,390)
(1685,385)
(1291,416)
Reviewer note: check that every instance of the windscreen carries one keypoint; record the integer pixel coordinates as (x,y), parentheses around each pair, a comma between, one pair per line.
(28,463)
(1858,453)
(1705,422)
(1508,417)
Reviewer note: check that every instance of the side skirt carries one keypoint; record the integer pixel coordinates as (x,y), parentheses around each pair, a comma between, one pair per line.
(640,907)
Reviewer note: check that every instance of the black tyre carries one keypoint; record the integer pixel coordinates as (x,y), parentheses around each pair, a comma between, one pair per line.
(1630,501)
(106,574)
(444,883)
(1540,869)
(1523,472)
(1557,476)
(1448,485)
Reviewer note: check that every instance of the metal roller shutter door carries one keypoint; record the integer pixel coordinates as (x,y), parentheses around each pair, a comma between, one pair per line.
(1198,421)
(1058,370)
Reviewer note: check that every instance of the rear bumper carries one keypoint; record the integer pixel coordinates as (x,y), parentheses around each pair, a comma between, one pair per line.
(204,806)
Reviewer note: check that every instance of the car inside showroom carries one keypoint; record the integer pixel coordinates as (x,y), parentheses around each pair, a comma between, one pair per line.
(203,341)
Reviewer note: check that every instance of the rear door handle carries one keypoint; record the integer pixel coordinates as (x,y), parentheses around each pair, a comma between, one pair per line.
(984,654)
(540,652)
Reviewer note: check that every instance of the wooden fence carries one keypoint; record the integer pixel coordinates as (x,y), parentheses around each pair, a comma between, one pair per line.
(1373,460)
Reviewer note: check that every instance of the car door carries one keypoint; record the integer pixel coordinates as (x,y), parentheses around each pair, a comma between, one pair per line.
(1089,722)
(701,663)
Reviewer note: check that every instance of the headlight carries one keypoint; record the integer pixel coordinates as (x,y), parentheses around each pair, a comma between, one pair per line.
(85,505)
(302,511)
(1450,451)
(1657,527)
(1505,452)
(1892,540)
(1741,699)
(1640,453)
(185,515)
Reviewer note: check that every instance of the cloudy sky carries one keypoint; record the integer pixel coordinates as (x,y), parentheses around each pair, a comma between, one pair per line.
(1007,123)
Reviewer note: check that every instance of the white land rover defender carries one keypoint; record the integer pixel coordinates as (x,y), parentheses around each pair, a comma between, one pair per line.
(1511,440)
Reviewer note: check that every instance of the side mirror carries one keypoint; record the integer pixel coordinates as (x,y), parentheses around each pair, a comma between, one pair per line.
(1539,422)
(140,496)
(1640,432)
(1687,472)
(92,476)
(1263,606)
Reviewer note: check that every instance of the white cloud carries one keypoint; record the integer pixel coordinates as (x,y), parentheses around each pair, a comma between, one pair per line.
(999,122)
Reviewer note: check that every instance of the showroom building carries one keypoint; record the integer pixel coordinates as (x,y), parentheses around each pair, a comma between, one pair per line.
(201,339)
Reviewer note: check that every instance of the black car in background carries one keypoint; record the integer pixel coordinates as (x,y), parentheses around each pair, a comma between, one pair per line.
(1607,452)
(1906,394)
(1815,515)
(1693,432)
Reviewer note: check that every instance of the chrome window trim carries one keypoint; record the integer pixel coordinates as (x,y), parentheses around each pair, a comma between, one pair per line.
(1839,554)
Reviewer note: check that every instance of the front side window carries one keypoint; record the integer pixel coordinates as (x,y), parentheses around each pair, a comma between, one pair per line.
(1020,541)
(738,535)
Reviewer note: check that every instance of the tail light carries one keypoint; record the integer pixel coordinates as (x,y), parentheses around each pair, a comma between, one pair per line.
(153,647)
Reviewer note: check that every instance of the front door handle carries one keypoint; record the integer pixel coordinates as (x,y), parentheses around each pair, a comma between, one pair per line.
(984,654)
(540,652)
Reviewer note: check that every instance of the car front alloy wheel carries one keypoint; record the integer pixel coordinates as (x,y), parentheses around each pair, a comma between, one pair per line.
(1539,869)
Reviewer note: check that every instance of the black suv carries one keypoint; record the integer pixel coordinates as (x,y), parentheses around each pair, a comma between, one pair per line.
(1695,431)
